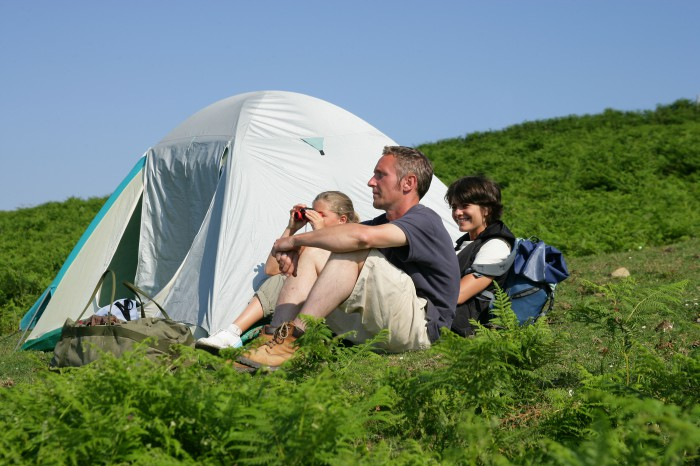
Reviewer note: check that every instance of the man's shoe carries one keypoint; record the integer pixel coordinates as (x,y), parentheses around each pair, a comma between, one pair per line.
(278,349)
(241,367)
(219,340)
(266,334)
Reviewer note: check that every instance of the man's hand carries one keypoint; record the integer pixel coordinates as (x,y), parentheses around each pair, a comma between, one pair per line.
(287,255)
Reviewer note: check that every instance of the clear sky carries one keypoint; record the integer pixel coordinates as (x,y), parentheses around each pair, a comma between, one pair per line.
(89,86)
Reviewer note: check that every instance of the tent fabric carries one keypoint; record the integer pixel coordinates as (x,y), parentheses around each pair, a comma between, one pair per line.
(215,193)
(173,210)
(36,310)
(75,282)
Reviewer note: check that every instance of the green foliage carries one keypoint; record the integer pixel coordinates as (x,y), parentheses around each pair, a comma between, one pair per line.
(625,430)
(589,184)
(34,244)
(480,380)
(610,377)
(194,409)
(19,366)
(488,399)
(319,347)
(624,309)
(639,407)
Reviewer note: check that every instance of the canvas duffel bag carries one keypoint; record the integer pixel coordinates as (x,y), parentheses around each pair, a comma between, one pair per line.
(82,344)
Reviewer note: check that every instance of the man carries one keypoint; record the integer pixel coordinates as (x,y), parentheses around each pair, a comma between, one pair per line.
(398,271)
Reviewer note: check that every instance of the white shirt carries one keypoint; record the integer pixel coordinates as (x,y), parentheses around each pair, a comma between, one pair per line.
(492,251)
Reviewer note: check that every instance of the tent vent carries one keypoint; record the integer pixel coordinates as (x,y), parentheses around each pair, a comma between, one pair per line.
(316,143)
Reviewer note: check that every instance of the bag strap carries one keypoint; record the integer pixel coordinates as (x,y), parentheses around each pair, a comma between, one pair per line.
(139,292)
(499,268)
(97,287)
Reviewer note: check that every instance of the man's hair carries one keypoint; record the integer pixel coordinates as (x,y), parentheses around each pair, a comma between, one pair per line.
(477,190)
(410,160)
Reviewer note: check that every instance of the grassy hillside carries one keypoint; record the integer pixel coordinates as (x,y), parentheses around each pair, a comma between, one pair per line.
(602,183)
(609,377)
(34,244)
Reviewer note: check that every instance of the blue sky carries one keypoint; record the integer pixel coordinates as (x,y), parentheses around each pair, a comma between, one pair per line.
(89,86)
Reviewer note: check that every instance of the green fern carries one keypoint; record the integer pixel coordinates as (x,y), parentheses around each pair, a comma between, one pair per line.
(488,375)
(623,308)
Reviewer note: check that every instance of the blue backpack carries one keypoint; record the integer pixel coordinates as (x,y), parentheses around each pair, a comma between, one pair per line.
(534,269)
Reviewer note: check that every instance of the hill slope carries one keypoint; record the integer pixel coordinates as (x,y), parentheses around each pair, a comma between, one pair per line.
(603,183)
(34,243)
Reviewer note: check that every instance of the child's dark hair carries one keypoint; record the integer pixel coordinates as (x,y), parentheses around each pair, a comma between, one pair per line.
(477,190)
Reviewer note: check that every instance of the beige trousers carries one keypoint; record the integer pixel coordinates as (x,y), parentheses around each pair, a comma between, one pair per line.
(384,297)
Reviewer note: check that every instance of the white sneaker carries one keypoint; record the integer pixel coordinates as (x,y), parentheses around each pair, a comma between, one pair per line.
(219,340)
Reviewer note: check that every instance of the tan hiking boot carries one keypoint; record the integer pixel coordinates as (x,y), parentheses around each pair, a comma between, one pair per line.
(266,334)
(278,349)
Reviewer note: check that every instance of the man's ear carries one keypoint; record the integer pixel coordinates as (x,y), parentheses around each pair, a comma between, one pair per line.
(409,183)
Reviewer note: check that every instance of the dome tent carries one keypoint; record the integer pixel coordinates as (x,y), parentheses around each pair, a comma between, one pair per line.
(194,220)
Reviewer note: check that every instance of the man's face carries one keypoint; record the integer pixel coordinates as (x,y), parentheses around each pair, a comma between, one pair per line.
(385,184)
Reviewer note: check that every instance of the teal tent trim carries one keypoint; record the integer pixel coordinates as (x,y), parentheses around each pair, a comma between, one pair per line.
(34,313)
(38,308)
(47,342)
(316,143)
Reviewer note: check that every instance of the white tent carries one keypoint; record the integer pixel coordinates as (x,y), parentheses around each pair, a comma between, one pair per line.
(194,220)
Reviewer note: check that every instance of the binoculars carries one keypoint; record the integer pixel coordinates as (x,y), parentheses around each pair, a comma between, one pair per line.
(300,214)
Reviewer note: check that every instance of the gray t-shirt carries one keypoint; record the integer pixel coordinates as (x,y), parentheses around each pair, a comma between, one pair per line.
(430,260)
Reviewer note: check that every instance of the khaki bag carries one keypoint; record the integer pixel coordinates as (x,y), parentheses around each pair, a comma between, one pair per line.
(80,344)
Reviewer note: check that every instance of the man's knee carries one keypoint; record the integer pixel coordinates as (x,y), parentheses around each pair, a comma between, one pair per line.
(313,259)
(358,256)
(344,267)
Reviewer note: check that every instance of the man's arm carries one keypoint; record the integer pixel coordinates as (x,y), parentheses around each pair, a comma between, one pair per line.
(345,238)
(340,238)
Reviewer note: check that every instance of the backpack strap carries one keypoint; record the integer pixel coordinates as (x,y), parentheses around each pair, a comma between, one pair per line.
(550,298)
(497,269)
